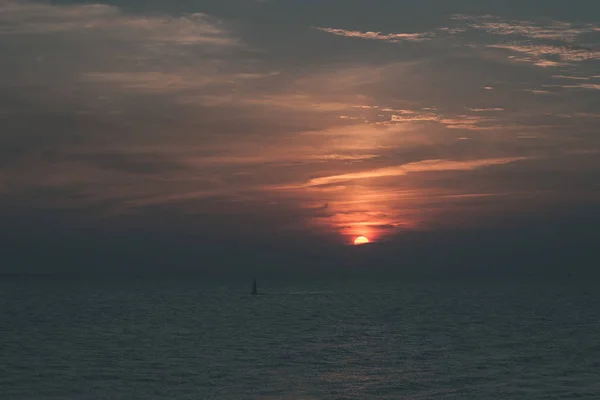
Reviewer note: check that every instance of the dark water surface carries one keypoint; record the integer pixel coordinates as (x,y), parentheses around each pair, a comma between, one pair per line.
(187,339)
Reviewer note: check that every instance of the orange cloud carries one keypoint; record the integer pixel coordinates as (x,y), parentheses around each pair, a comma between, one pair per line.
(400,170)
(388,37)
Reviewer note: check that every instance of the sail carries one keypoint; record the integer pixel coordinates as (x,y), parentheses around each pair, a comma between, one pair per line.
(254,292)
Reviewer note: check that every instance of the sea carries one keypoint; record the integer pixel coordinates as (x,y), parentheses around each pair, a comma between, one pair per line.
(310,339)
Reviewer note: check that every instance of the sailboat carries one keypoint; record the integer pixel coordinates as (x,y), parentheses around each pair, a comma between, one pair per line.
(254,292)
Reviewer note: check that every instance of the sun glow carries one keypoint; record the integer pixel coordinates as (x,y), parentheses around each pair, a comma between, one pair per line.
(361,240)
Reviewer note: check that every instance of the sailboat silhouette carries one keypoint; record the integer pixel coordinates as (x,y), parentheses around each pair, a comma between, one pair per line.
(254,292)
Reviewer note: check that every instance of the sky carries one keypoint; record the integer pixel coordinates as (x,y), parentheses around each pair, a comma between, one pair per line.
(214,134)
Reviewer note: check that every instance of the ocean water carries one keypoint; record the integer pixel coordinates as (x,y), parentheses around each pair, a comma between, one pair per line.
(391,339)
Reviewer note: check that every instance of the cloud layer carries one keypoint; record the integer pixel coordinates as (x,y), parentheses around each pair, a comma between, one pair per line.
(338,126)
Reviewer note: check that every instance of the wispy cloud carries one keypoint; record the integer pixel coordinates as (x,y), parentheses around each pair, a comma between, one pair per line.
(478,119)
(345,157)
(549,30)
(149,81)
(590,86)
(79,49)
(485,110)
(574,78)
(173,81)
(400,170)
(24,17)
(469,123)
(542,43)
(539,55)
(547,43)
(414,117)
(388,37)
(298,102)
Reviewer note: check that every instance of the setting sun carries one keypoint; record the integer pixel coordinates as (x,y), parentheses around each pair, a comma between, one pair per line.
(361,240)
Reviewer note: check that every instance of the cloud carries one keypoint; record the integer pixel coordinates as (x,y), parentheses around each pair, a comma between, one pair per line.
(400,170)
(78,50)
(590,86)
(538,91)
(29,18)
(547,30)
(542,43)
(148,81)
(485,110)
(552,30)
(345,157)
(464,122)
(298,102)
(414,117)
(575,78)
(539,54)
(388,37)
(170,82)
(473,121)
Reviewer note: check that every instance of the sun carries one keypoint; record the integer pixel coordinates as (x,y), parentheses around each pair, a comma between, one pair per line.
(361,240)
